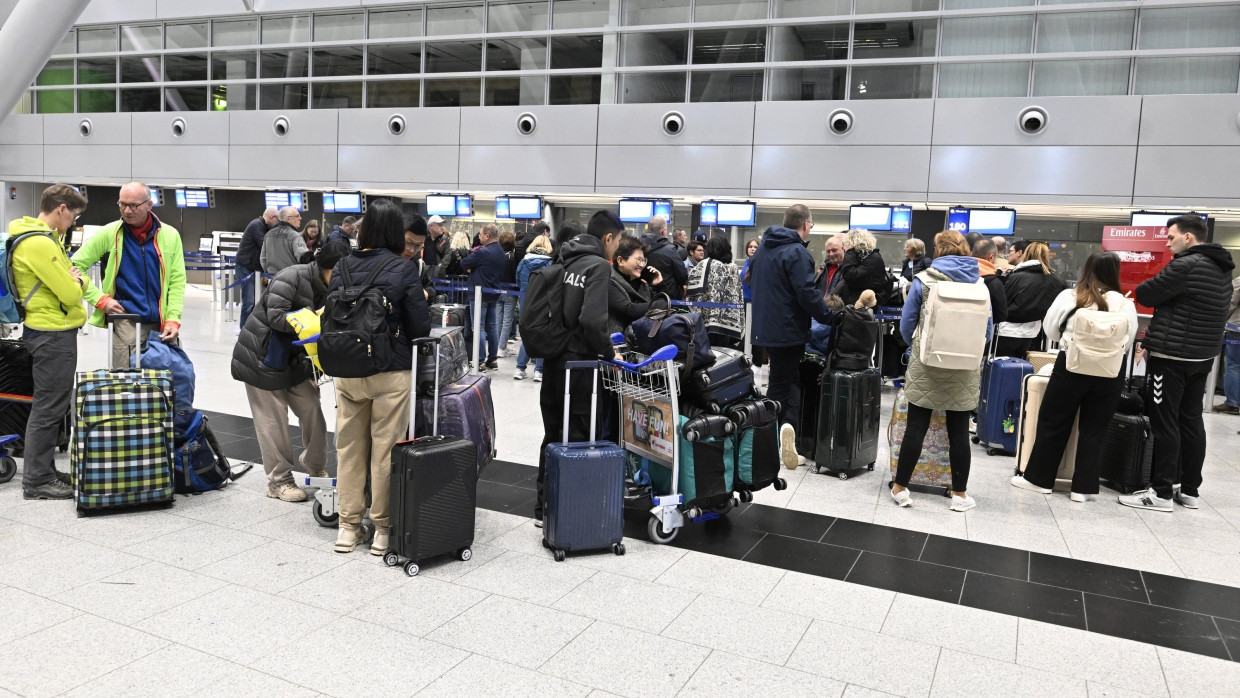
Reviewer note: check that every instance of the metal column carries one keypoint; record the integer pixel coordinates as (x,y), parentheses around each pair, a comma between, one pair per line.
(27,39)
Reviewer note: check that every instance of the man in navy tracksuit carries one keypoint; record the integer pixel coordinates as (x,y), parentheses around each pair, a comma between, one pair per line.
(486,269)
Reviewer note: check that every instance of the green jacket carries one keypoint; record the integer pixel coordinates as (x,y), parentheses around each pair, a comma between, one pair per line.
(107,240)
(57,304)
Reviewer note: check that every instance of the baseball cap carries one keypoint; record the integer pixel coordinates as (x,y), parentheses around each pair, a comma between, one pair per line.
(434,219)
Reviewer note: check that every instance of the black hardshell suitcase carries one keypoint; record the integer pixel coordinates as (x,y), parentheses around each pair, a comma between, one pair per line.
(434,491)
(810,381)
(1127,453)
(17,395)
(725,381)
(757,446)
(450,315)
(849,422)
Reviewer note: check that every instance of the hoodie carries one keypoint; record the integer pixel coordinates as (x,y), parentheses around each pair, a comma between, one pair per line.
(994,284)
(954,267)
(1191,298)
(41,259)
(781,274)
(586,277)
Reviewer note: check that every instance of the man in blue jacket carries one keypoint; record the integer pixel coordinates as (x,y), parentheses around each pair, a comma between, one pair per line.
(486,269)
(784,300)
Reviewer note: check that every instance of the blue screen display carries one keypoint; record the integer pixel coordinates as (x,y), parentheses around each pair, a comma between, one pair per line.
(901,219)
(869,217)
(193,198)
(710,213)
(464,205)
(329,202)
(663,207)
(440,205)
(958,220)
(501,207)
(992,221)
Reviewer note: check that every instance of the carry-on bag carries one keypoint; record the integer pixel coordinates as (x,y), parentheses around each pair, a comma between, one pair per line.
(1032,391)
(467,410)
(727,379)
(434,489)
(706,467)
(659,328)
(453,359)
(17,396)
(450,315)
(123,448)
(583,485)
(809,378)
(849,421)
(934,470)
(757,446)
(852,342)
(998,410)
(1127,457)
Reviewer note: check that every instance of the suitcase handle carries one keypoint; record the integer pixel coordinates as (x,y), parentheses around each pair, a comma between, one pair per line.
(568,372)
(135,320)
(413,386)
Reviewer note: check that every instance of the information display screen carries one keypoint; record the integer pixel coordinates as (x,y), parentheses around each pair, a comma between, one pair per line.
(193,198)
(862,217)
(710,213)
(739,213)
(663,207)
(1158,219)
(525,207)
(280,199)
(901,219)
(464,206)
(501,207)
(157,198)
(992,221)
(958,220)
(440,205)
(636,210)
(342,202)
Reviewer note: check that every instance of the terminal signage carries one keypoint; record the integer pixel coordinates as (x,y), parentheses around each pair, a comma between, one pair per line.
(1142,253)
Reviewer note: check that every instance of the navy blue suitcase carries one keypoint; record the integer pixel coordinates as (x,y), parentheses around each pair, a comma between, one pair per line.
(725,381)
(583,487)
(998,410)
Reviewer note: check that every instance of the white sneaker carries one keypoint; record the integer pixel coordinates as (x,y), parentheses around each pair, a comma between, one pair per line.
(1020,482)
(964,503)
(501,353)
(801,460)
(1185,500)
(788,446)
(537,376)
(1146,499)
(903,499)
(519,375)
(1078,497)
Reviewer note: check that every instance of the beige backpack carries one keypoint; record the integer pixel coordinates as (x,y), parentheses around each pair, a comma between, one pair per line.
(1098,339)
(953,331)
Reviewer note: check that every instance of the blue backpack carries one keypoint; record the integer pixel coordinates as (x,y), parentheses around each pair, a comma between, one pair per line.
(10,307)
(172,358)
(199,464)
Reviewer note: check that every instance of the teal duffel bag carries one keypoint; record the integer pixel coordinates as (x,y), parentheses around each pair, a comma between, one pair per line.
(707,462)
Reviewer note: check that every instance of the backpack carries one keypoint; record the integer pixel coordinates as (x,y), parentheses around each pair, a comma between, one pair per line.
(890,294)
(198,463)
(8,307)
(354,342)
(953,331)
(853,339)
(13,310)
(543,330)
(1098,339)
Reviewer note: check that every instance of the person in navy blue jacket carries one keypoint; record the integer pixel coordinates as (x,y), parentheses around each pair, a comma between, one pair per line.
(486,269)
(781,274)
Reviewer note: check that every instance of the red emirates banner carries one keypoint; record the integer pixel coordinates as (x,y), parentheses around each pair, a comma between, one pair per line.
(1142,253)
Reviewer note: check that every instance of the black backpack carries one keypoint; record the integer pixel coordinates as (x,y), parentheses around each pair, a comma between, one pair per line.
(543,330)
(355,341)
(853,340)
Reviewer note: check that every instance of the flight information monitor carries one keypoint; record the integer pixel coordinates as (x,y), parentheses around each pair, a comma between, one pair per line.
(636,210)
(525,207)
(992,221)
(869,217)
(1158,219)
(501,207)
(193,198)
(342,202)
(280,199)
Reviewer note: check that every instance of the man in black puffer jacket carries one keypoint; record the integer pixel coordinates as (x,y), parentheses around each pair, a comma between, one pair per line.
(278,376)
(1191,298)
(664,256)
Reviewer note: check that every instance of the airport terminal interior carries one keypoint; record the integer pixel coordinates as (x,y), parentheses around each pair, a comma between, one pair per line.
(1083,125)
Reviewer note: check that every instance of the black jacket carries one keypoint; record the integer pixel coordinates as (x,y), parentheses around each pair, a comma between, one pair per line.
(252,244)
(781,273)
(451,262)
(861,273)
(1030,293)
(913,267)
(627,300)
(681,250)
(1191,297)
(663,256)
(586,277)
(410,318)
(998,298)
(486,267)
(435,250)
(824,276)
(296,287)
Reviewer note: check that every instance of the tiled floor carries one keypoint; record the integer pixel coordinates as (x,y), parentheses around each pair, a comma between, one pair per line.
(231,593)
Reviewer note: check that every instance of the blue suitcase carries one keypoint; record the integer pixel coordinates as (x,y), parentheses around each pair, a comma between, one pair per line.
(998,411)
(583,487)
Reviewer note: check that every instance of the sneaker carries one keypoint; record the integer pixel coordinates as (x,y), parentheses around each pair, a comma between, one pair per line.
(902,498)
(537,376)
(1186,501)
(320,471)
(379,545)
(1146,499)
(286,492)
(538,523)
(64,477)
(348,537)
(788,446)
(491,365)
(1020,482)
(964,503)
(801,460)
(49,490)
(1078,497)
(519,375)
(1225,408)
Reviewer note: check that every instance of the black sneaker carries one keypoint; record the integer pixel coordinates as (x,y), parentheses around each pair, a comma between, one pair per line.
(491,365)
(50,490)
(64,477)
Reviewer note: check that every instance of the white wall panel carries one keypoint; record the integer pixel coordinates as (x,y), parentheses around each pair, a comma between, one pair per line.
(1070,121)
(1195,120)
(563,125)
(175,9)
(306,127)
(568,168)
(21,162)
(282,166)
(644,169)
(105,129)
(201,128)
(705,124)
(95,164)
(105,11)
(22,129)
(1013,174)
(865,172)
(186,165)
(398,167)
(880,122)
(422,127)
(1188,176)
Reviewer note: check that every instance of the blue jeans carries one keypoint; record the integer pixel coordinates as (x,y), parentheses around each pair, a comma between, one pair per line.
(247,292)
(523,360)
(507,316)
(1231,374)
(490,328)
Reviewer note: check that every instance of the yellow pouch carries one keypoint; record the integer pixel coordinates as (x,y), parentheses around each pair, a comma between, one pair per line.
(306,323)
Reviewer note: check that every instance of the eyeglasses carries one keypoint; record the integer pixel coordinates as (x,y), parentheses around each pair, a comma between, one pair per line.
(640,261)
(124,205)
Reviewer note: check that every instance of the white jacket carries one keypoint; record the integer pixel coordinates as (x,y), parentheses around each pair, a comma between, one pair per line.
(1066,301)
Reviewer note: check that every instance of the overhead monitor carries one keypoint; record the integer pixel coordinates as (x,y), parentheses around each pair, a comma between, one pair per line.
(901,219)
(738,213)
(958,220)
(636,210)
(501,207)
(193,198)
(440,205)
(525,207)
(1158,219)
(710,213)
(663,207)
(157,198)
(281,199)
(464,205)
(869,217)
(992,221)
(342,202)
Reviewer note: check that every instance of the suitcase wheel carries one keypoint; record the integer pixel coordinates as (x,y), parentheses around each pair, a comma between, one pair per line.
(465,554)
(546,544)
(993,451)
(843,476)
(412,569)
(324,519)
(976,440)
(558,555)
(817,469)
(870,467)
(8,468)
(654,529)
(782,484)
(746,496)
(391,559)
(618,548)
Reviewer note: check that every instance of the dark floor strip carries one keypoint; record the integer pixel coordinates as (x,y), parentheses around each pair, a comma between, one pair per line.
(1182,614)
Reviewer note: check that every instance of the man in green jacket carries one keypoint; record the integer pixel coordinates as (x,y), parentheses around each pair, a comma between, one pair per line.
(145,273)
(51,290)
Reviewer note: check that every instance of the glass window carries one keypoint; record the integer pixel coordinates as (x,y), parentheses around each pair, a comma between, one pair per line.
(1190,27)
(99,40)
(728,10)
(54,102)
(185,67)
(453,57)
(67,45)
(866,7)
(654,48)
(579,14)
(235,65)
(516,16)
(1070,2)
(342,27)
(976,4)
(341,60)
(144,99)
(395,24)
(441,21)
(899,39)
(235,32)
(1085,31)
(96,71)
(291,63)
(512,92)
(336,95)
(283,96)
(140,69)
(806,84)
(810,42)
(739,45)
(96,101)
(56,73)
(645,88)
(292,29)
(1072,78)
(812,8)
(516,54)
(577,51)
(982,36)
(234,97)
(141,37)
(460,92)
(395,59)
(726,86)
(984,79)
(892,82)
(394,93)
(576,89)
(654,12)
(186,98)
(186,35)
(1187,75)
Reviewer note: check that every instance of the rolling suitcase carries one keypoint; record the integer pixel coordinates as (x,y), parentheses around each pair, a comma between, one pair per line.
(810,382)
(17,396)
(124,443)
(1127,456)
(434,491)
(706,467)
(998,410)
(450,315)
(757,446)
(465,410)
(453,359)
(1034,389)
(583,486)
(723,382)
(849,419)
(934,470)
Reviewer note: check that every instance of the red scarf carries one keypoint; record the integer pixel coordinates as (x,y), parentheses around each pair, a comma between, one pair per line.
(140,232)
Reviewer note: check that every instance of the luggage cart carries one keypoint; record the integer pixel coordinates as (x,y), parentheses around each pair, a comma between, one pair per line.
(8,466)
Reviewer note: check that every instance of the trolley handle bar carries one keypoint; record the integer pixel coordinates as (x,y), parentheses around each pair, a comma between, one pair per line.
(666,353)
(308,340)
